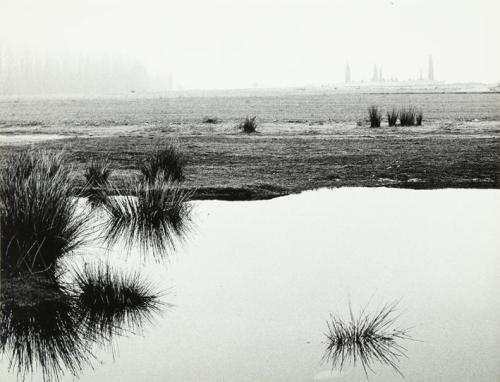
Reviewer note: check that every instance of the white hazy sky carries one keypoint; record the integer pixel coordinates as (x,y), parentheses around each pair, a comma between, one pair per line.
(237,43)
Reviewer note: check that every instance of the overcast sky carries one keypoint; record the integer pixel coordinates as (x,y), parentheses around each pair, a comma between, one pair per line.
(239,43)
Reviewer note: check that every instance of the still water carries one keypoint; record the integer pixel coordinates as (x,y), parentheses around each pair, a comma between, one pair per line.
(248,293)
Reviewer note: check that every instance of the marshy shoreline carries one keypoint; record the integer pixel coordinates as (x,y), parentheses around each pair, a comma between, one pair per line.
(302,141)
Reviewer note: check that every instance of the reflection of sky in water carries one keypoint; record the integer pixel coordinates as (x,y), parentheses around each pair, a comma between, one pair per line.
(255,282)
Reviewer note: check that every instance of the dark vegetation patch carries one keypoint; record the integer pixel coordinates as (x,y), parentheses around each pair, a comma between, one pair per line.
(375,116)
(40,221)
(211,120)
(167,162)
(248,125)
(392,117)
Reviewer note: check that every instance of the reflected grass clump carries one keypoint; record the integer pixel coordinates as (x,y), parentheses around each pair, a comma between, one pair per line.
(156,217)
(248,125)
(168,163)
(366,339)
(112,302)
(43,334)
(101,288)
(39,218)
(375,116)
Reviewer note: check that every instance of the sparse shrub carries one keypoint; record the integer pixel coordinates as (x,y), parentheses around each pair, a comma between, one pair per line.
(407,116)
(375,116)
(420,117)
(40,221)
(212,120)
(155,217)
(365,339)
(392,117)
(248,125)
(168,162)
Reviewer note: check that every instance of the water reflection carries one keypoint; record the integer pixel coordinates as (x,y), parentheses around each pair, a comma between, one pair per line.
(156,218)
(368,338)
(51,328)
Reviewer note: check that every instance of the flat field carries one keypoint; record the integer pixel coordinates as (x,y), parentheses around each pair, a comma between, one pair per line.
(304,141)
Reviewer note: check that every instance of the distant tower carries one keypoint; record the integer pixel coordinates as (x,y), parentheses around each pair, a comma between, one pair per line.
(421,77)
(375,73)
(430,73)
(347,74)
(380,77)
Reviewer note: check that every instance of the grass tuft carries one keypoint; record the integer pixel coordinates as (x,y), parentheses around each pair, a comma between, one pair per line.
(97,172)
(420,117)
(407,116)
(40,221)
(365,339)
(248,125)
(375,116)
(169,162)
(156,217)
(392,117)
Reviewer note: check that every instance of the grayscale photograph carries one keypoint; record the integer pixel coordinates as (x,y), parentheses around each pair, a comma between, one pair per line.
(249,190)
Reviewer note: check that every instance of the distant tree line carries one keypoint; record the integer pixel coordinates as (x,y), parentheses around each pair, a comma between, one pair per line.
(27,72)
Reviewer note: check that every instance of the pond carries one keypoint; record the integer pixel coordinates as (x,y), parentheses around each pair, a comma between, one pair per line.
(247,294)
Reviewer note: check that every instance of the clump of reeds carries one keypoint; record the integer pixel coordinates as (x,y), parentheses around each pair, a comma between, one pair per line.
(96,174)
(248,125)
(39,218)
(169,162)
(392,117)
(212,120)
(407,116)
(156,216)
(420,117)
(375,116)
(368,338)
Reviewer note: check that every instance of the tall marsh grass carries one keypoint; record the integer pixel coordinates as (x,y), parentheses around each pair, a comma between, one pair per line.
(366,339)
(39,217)
(168,162)
(407,116)
(97,172)
(392,117)
(375,116)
